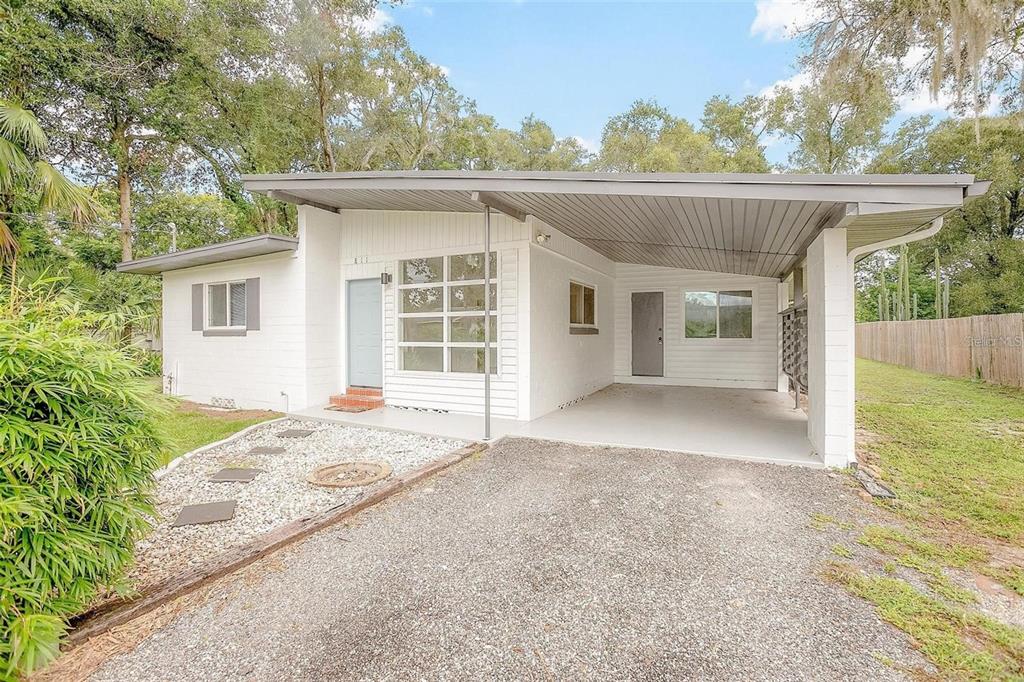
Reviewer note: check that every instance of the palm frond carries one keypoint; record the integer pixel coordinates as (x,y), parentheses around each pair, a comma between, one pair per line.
(13,163)
(20,126)
(8,243)
(57,193)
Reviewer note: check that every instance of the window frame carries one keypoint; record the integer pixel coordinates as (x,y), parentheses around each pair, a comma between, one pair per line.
(446,314)
(717,339)
(583,326)
(207,326)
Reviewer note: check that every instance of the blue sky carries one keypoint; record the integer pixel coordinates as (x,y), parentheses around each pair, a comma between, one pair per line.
(575,64)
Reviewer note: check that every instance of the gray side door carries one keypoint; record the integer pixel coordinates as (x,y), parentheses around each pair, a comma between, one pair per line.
(648,334)
(365,333)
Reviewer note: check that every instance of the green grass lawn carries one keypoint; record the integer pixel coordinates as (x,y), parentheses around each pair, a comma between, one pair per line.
(952,449)
(189,426)
(953,452)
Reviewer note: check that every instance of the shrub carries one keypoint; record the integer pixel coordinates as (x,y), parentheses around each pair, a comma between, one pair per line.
(78,445)
(150,362)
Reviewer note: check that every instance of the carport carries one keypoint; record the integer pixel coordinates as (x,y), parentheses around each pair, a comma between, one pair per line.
(786,242)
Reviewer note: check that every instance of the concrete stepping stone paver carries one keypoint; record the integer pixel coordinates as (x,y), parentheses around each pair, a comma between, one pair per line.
(266,450)
(236,474)
(295,433)
(211,512)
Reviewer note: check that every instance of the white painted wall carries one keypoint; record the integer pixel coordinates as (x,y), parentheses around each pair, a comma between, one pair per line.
(375,241)
(301,349)
(564,367)
(321,233)
(830,356)
(291,361)
(734,363)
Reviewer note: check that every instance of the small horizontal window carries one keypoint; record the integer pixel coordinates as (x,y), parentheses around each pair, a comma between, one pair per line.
(718,314)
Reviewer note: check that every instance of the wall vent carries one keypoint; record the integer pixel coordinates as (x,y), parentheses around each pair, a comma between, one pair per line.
(224,403)
(571,402)
(418,409)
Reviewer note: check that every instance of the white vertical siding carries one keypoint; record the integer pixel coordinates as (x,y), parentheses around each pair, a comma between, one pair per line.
(737,363)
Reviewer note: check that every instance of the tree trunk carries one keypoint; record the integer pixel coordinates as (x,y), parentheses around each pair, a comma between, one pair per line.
(124,193)
(325,136)
(124,189)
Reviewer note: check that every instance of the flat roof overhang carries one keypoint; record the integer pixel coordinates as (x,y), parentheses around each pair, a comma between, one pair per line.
(260,245)
(753,224)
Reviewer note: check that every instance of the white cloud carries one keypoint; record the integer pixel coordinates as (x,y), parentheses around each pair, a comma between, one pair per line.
(920,102)
(591,146)
(778,20)
(377,20)
(794,82)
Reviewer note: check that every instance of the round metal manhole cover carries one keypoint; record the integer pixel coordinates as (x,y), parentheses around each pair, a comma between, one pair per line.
(349,474)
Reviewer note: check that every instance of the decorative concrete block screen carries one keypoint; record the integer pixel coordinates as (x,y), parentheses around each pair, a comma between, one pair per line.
(986,347)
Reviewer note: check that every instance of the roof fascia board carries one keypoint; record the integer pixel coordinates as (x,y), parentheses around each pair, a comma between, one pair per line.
(961,179)
(234,250)
(896,194)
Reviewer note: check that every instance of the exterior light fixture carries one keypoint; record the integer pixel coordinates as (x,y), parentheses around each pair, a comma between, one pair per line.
(543,238)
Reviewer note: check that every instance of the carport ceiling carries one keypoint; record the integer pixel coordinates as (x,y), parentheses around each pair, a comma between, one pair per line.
(748,224)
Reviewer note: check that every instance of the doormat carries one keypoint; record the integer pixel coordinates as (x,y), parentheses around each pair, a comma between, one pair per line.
(349,474)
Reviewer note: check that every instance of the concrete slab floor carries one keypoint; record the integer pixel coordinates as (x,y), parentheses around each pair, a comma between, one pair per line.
(752,425)
(739,423)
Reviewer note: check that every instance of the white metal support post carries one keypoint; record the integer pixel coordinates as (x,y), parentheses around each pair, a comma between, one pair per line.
(487,322)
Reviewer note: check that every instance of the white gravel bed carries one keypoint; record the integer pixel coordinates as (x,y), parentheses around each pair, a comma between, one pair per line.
(277,496)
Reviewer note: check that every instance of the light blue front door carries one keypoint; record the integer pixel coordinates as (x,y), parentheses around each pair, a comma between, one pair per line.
(365,339)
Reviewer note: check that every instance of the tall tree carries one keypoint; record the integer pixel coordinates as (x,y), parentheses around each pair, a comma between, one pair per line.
(648,138)
(325,44)
(981,246)
(739,129)
(968,49)
(837,122)
(542,150)
(110,86)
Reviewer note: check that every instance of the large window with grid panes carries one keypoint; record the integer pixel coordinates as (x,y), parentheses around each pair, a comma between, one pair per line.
(441,313)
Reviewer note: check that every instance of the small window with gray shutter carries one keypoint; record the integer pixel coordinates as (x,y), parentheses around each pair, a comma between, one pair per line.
(225,305)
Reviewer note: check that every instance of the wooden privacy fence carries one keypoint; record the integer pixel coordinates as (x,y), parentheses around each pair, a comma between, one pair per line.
(988,347)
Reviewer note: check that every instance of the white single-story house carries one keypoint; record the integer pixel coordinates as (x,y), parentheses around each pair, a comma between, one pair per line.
(697,301)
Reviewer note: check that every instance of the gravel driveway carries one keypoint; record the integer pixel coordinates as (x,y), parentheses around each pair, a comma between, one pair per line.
(545,560)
